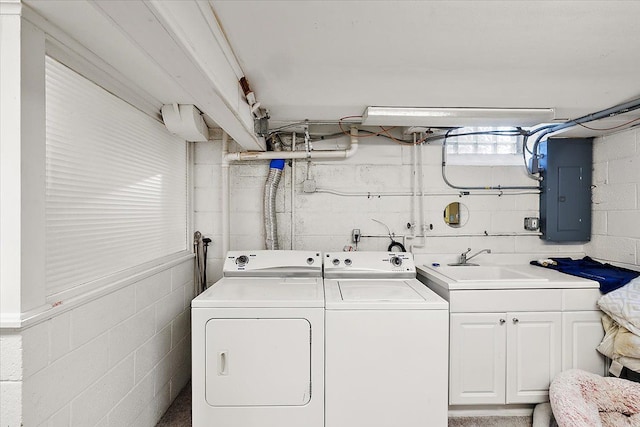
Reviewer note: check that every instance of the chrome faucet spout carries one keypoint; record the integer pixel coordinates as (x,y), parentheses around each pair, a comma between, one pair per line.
(476,254)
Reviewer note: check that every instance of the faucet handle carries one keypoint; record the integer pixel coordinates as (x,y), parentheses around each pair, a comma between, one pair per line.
(467,251)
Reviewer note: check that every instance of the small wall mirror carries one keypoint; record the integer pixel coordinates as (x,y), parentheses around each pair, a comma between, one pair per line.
(456,214)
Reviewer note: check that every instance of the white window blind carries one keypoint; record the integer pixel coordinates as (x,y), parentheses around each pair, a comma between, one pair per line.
(116,184)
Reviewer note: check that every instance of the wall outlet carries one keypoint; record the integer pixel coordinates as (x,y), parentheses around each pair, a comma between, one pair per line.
(355,235)
(531,223)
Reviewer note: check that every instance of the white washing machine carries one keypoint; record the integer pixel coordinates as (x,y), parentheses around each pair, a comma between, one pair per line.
(386,339)
(258,342)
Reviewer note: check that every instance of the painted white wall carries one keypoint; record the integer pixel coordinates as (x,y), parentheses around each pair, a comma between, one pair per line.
(616,198)
(324,221)
(22,161)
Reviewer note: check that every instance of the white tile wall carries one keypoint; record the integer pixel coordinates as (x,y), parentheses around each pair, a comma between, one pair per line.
(324,221)
(616,198)
(118,360)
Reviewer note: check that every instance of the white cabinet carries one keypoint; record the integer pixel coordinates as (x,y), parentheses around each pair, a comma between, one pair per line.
(533,355)
(499,358)
(582,332)
(507,345)
(477,358)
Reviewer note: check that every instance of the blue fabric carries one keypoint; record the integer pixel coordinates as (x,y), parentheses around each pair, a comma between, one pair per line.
(609,276)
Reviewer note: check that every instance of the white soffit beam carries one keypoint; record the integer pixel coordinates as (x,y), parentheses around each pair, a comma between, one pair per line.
(178,37)
(455,117)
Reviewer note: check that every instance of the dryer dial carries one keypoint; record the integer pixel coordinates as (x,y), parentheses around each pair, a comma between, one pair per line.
(242,260)
(396,261)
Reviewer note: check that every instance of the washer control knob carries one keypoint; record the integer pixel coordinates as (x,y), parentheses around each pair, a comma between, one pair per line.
(242,260)
(310,260)
(347,261)
(335,261)
(396,261)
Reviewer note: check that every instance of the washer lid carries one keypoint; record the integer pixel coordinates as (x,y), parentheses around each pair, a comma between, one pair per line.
(241,292)
(380,290)
(385,294)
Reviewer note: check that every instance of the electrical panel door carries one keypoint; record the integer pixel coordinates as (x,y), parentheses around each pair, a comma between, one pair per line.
(565,199)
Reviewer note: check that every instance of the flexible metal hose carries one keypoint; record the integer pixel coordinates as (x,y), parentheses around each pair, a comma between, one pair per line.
(270,190)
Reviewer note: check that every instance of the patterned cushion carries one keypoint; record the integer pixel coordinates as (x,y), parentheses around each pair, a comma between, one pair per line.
(623,305)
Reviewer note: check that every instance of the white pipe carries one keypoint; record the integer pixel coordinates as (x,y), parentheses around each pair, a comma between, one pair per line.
(421,198)
(320,154)
(372,194)
(414,188)
(292,228)
(226,232)
(421,187)
(414,194)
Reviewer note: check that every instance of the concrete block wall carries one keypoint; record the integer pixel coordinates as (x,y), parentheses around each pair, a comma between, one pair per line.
(118,360)
(324,221)
(616,198)
(10,377)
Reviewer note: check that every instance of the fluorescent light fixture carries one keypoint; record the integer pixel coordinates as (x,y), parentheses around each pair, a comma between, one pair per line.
(455,117)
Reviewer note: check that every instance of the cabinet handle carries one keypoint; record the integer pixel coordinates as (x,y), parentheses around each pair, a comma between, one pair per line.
(502,321)
(515,320)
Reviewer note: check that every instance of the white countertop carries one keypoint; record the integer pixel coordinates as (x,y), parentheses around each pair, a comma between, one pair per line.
(531,277)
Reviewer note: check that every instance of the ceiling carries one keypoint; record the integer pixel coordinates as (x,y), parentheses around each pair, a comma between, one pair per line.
(322,60)
(329,59)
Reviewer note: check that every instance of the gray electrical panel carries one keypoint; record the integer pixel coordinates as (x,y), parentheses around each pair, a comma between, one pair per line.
(565,199)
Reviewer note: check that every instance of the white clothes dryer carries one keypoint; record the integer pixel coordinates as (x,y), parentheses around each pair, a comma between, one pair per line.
(258,342)
(386,338)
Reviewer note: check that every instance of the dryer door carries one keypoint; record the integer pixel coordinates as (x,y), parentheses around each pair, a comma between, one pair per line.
(258,362)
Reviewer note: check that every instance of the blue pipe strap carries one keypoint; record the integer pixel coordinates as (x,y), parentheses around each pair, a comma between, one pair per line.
(277,164)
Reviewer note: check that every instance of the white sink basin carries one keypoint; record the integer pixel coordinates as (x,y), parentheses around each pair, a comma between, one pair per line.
(485,274)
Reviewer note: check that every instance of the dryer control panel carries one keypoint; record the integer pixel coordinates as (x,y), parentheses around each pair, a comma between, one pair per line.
(265,263)
(380,265)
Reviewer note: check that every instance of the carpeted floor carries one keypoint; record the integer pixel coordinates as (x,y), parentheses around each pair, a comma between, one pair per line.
(179,415)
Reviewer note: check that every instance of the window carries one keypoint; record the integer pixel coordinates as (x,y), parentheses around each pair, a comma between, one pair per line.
(484,145)
(116,184)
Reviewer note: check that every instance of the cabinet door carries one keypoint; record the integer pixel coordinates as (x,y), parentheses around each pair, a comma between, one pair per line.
(534,358)
(581,333)
(477,360)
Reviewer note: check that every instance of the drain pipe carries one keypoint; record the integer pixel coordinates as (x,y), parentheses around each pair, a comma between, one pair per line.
(225,194)
(270,190)
(286,155)
(423,227)
(417,209)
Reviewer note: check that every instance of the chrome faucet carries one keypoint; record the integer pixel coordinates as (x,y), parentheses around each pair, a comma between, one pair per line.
(464,258)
